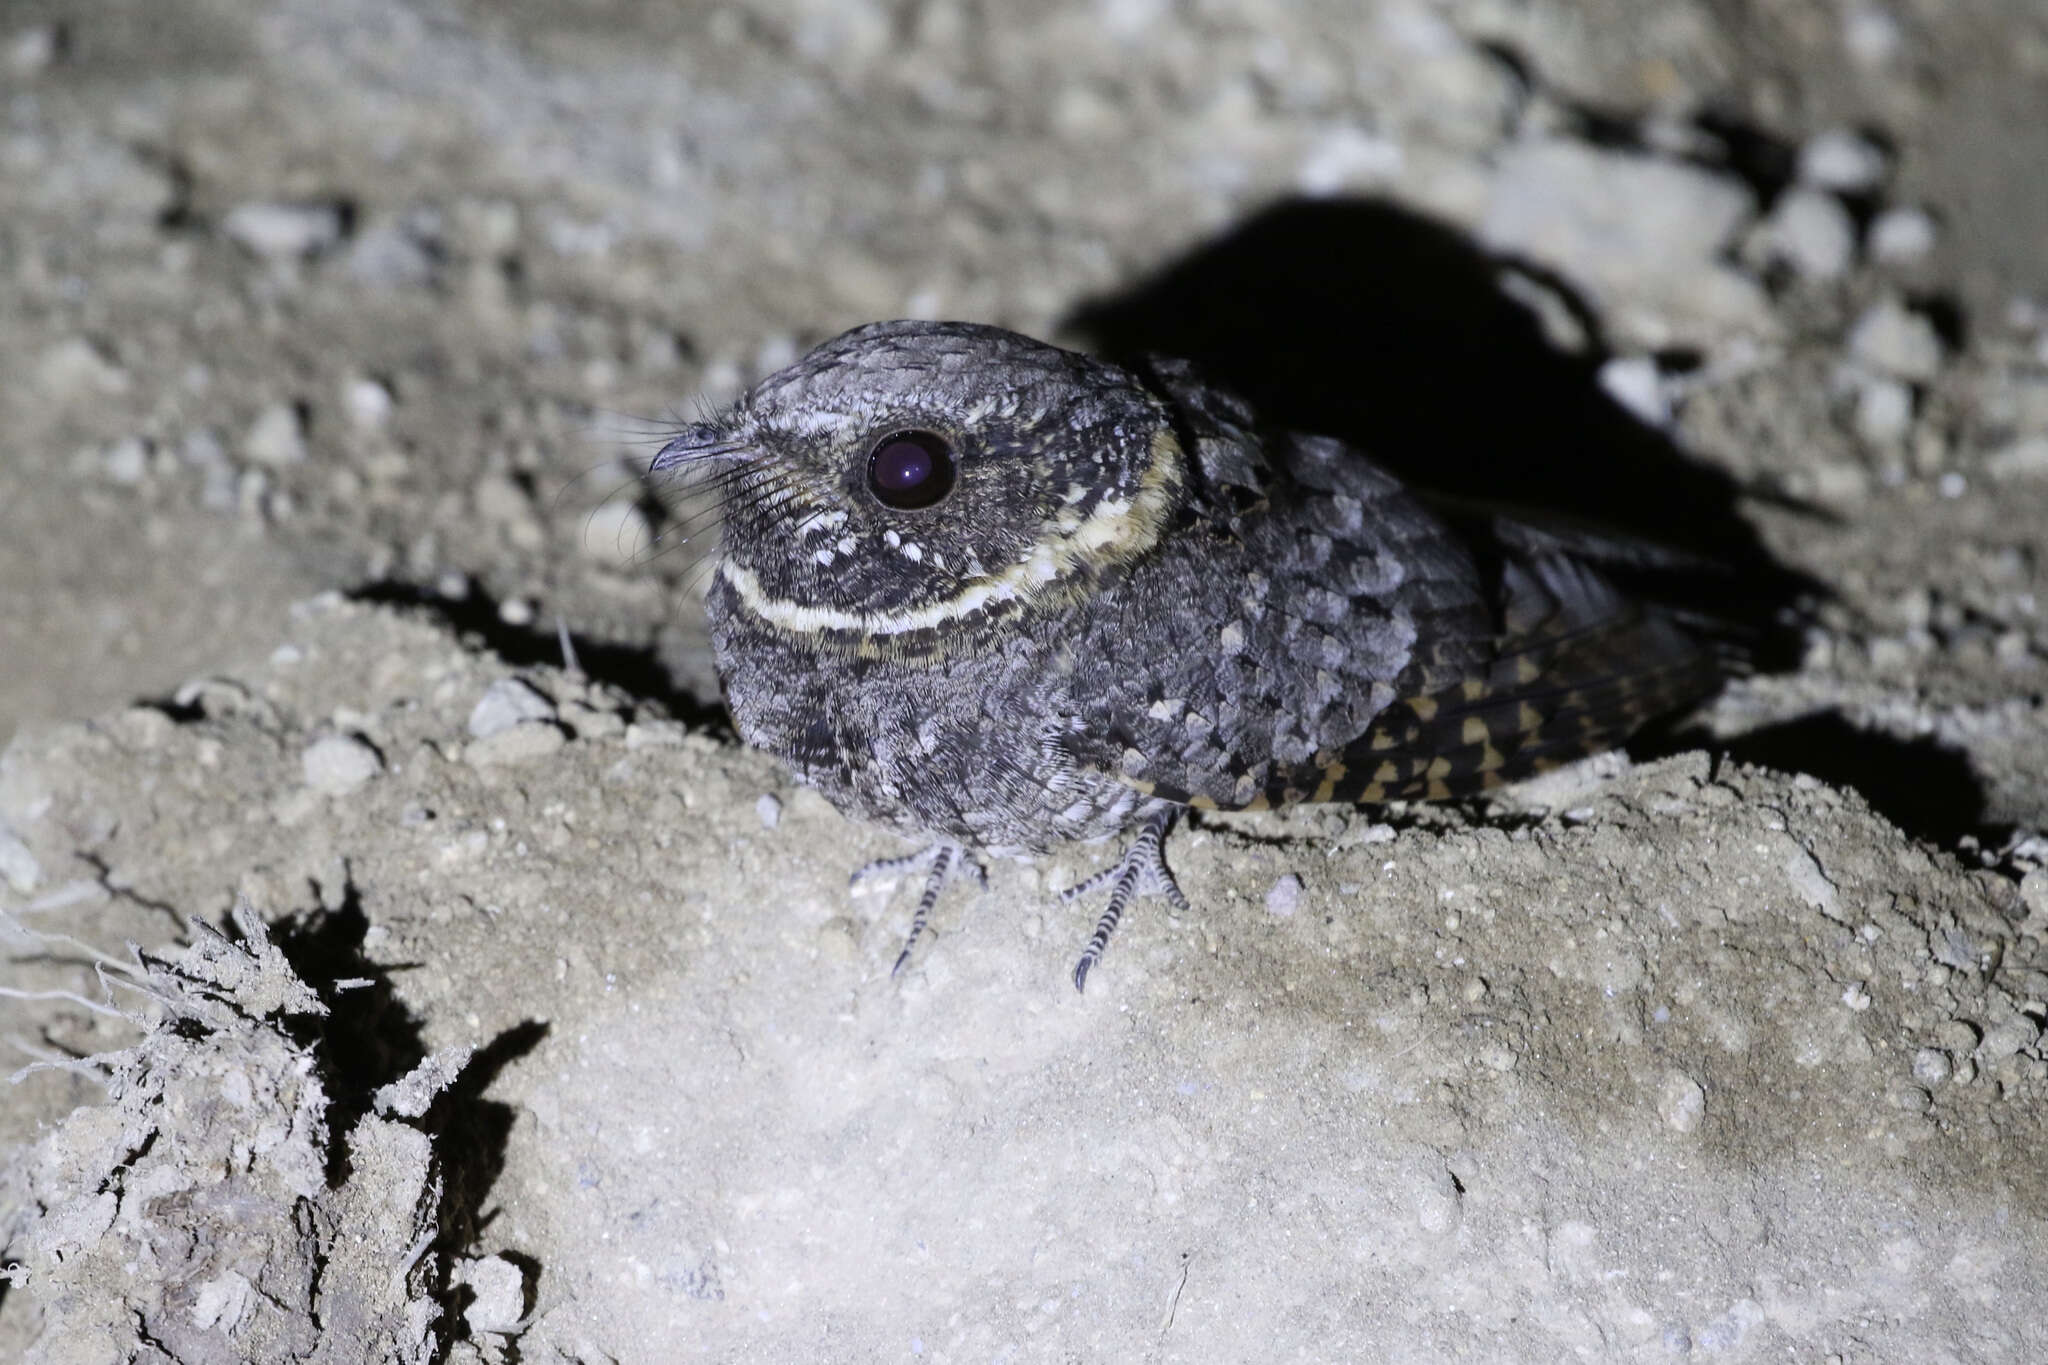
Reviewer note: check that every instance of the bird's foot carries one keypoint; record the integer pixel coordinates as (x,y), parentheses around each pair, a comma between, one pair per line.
(1141,871)
(941,863)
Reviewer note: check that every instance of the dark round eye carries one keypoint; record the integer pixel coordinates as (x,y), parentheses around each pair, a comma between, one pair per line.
(911,469)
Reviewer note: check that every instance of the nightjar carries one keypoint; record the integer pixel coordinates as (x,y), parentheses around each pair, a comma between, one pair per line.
(998,595)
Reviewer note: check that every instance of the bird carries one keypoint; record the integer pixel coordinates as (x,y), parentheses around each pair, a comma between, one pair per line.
(1000,596)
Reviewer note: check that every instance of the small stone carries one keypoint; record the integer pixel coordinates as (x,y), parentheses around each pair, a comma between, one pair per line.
(1809,882)
(35,50)
(2007,1038)
(1347,158)
(1892,339)
(368,402)
(1285,896)
(1931,1066)
(1902,236)
(1884,411)
(500,1290)
(524,742)
(277,436)
(1870,35)
(283,231)
(1636,383)
(338,764)
(1856,997)
(504,704)
(18,866)
(1910,1098)
(517,611)
(126,461)
(1841,160)
(769,808)
(1681,1101)
(78,368)
(1439,1205)
(1811,231)
(2034,895)
(2023,459)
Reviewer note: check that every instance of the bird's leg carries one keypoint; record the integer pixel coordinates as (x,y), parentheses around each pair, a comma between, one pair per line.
(1141,871)
(940,863)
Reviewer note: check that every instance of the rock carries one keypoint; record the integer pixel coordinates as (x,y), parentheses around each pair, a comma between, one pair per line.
(1902,236)
(1884,411)
(368,402)
(768,808)
(524,742)
(1681,1102)
(1284,898)
(1343,159)
(1811,231)
(78,368)
(283,231)
(35,50)
(18,867)
(506,703)
(1870,35)
(277,436)
(338,764)
(1892,339)
(126,461)
(1842,160)
(2026,458)
(1637,384)
(500,1289)
(1644,233)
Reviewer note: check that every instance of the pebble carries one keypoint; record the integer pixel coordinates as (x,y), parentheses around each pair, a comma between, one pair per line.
(500,1290)
(506,703)
(1841,160)
(77,368)
(1902,236)
(2034,894)
(1439,1206)
(1870,35)
(1884,411)
(34,50)
(1635,382)
(1810,231)
(1809,882)
(2007,1038)
(769,808)
(338,764)
(126,461)
(368,402)
(1931,1066)
(1892,339)
(1681,1101)
(1285,896)
(517,611)
(2024,458)
(18,866)
(277,436)
(282,231)
(522,743)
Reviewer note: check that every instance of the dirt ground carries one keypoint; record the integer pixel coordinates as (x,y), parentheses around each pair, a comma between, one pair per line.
(388,990)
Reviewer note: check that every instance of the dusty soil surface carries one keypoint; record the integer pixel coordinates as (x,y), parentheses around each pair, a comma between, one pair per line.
(392,992)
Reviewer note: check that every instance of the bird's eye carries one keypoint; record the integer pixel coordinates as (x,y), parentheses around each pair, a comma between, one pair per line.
(911,469)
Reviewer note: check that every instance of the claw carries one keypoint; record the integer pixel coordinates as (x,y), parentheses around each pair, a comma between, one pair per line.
(1141,871)
(941,863)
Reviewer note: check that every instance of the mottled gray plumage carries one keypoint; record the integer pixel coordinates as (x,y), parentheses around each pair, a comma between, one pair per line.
(1132,599)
